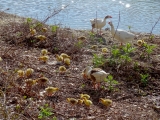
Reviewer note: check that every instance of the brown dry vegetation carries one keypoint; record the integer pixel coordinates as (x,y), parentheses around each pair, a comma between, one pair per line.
(132,100)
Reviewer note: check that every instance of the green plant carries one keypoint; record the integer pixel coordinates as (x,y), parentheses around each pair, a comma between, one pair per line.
(29,20)
(91,35)
(100,40)
(45,111)
(129,27)
(54,28)
(111,82)
(136,66)
(83,85)
(54,118)
(121,56)
(147,50)
(98,60)
(144,79)
(79,44)
(115,53)
(151,37)
(128,48)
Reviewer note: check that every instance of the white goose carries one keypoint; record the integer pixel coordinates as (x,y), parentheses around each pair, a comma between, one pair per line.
(122,35)
(97,75)
(99,23)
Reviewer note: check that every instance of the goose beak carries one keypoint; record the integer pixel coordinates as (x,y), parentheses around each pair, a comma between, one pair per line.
(110,16)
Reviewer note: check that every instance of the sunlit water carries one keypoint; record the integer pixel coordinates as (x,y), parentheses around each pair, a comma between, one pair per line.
(141,15)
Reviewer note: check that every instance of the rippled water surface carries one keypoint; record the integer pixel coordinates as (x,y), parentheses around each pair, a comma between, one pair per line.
(141,15)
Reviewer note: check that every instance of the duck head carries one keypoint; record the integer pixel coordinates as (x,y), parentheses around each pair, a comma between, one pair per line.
(110,23)
(108,16)
(87,70)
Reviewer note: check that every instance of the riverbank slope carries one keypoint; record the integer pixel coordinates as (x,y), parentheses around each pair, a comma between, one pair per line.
(136,96)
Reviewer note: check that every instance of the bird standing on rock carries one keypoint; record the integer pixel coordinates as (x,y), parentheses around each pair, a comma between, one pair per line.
(121,35)
(99,23)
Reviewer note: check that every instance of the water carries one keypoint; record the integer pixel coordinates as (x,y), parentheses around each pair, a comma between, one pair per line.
(141,15)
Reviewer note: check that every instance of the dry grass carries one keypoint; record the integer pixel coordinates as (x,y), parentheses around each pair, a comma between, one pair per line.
(20,50)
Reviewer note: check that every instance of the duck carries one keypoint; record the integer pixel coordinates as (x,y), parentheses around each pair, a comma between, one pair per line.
(30,82)
(80,101)
(104,50)
(32,31)
(59,58)
(44,51)
(67,61)
(51,90)
(41,37)
(42,81)
(29,72)
(83,38)
(105,102)
(99,23)
(82,96)
(87,102)
(72,101)
(140,42)
(21,73)
(44,58)
(62,68)
(97,75)
(64,55)
(121,35)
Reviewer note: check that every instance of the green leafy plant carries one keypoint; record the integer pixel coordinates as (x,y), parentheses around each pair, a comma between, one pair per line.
(91,35)
(98,60)
(144,79)
(100,40)
(136,66)
(45,112)
(151,37)
(129,27)
(115,52)
(111,82)
(29,20)
(148,49)
(37,25)
(79,44)
(121,56)
(54,28)
(54,118)
(83,85)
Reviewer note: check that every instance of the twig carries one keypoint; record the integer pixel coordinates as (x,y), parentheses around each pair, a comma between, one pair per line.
(5,107)
(116,28)
(96,22)
(22,112)
(117,25)
(55,12)
(154,27)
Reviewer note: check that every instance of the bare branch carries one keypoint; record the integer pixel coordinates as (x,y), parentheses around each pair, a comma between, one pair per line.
(117,25)
(154,27)
(55,12)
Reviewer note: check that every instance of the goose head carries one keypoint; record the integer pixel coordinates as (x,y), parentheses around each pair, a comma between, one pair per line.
(108,16)
(110,23)
(87,70)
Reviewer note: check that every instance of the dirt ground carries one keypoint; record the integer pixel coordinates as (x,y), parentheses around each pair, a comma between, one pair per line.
(132,100)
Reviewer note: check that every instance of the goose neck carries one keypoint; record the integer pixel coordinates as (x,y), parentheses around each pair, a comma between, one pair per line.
(112,28)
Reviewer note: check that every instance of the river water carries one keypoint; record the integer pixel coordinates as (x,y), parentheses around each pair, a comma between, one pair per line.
(140,15)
